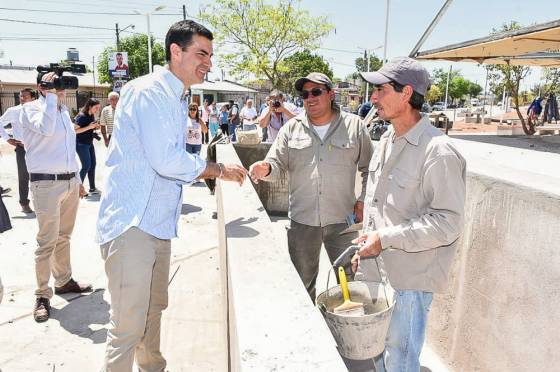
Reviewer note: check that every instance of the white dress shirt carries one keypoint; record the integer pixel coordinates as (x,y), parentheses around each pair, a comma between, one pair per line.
(49,137)
(12,116)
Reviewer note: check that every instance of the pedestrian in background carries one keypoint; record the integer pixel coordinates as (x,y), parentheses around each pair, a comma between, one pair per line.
(85,126)
(214,123)
(248,115)
(106,117)
(233,117)
(224,120)
(276,114)
(196,128)
(12,116)
(205,115)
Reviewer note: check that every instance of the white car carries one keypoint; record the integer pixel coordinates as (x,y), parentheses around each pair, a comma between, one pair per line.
(438,106)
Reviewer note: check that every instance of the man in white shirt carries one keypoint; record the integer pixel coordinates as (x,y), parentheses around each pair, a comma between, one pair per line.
(248,115)
(12,116)
(50,141)
(106,117)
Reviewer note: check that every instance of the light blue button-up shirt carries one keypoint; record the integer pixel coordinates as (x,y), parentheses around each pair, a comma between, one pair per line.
(147,161)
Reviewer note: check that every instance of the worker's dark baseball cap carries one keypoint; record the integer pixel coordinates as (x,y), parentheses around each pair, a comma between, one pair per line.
(314,77)
(403,70)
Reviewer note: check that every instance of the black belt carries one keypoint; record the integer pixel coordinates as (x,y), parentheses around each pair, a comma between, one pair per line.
(51,177)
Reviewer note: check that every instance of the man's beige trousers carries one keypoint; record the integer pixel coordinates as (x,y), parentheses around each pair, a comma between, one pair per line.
(56,206)
(137,267)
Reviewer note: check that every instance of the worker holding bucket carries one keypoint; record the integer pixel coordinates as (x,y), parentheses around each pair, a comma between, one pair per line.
(414,208)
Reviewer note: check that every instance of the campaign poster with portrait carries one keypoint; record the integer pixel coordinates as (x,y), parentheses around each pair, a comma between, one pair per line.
(118,85)
(118,65)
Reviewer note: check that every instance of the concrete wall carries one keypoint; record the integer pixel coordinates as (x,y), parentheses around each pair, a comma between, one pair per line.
(273,325)
(501,311)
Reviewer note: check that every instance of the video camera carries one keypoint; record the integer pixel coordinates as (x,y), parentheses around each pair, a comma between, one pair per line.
(61,81)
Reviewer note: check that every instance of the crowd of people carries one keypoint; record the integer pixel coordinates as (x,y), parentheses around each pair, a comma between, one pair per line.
(411,198)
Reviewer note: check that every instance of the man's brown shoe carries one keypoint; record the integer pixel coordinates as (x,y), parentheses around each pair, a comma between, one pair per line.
(42,310)
(73,287)
(25,208)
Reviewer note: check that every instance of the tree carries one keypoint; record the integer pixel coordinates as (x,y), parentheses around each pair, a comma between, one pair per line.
(361,66)
(434,94)
(474,89)
(257,36)
(551,81)
(137,48)
(458,87)
(439,78)
(509,77)
(301,64)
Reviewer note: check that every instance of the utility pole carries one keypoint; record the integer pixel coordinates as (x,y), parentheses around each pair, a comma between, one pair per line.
(117,32)
(93,61)
(484,100)
(447,85)
(366,98)
(386,31)
(184,12)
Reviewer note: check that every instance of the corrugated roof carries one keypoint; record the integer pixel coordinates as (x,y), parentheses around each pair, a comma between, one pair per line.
(29,77)
(526,46)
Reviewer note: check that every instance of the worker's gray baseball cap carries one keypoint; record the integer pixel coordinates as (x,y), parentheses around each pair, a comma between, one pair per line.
(315,77)
(403,70)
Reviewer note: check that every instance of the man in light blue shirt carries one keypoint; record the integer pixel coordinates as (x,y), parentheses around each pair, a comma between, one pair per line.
(147,166)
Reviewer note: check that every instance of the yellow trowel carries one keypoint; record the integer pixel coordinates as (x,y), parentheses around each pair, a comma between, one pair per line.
(348,308)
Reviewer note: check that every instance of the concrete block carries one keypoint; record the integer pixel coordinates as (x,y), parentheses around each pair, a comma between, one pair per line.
(273,325)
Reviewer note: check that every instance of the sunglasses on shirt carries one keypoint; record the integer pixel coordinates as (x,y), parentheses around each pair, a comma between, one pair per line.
(315,92)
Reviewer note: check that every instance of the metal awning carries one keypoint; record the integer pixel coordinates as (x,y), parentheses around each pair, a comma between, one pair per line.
(535,45)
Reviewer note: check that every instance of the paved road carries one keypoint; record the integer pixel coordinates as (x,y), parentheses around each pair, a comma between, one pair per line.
(193,335)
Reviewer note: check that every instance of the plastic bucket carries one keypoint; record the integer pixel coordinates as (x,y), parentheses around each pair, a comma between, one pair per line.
(359,337)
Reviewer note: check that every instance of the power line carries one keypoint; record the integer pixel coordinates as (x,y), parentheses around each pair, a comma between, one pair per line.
(84,12)
(66,11)
(54,24)
(342,50)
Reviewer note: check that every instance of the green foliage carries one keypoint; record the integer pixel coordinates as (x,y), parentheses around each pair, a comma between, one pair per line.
(439,78)
(254,37)
(474,89)
(458,85)
(361,66)
(374,63)
(137,48)
(508,77)
(301,64)
(551,81)
(434,94)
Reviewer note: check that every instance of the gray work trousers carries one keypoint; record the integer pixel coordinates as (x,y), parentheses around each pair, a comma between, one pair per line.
(304,244)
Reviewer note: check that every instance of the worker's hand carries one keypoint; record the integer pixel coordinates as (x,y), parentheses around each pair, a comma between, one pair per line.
(83,191)
(370,247)
(259,170)
(14,142)
(233,172)
(359,211)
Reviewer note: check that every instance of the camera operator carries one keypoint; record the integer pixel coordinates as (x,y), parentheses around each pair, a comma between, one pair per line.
(276,114)
(50,142)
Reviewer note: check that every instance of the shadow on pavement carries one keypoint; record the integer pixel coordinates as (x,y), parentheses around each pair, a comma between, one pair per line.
(188,208)
(93,197)
(81,313)
(241,231)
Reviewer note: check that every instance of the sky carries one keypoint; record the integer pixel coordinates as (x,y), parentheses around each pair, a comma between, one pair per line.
(359,24)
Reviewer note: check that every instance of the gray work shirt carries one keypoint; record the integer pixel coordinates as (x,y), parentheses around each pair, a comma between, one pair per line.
(322,173)
(415,200)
